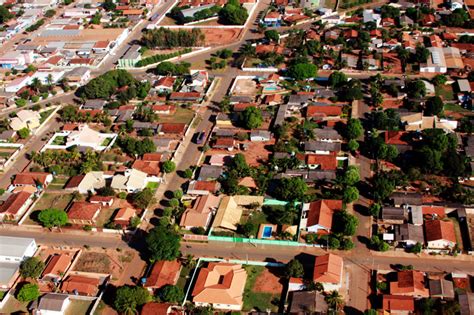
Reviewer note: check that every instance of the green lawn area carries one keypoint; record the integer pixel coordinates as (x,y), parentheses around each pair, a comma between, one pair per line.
(58,183)
(104,216)
(455,108)
(78,307)
(252,299)
(183,277)
(106,142)
(445,92)
(153,185)
(59,140)
(49,200)
(182,115)
(44,115)
(457,231)
(5,154)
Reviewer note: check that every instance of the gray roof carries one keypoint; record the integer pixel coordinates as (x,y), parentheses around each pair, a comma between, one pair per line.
(404,198)
(52,302)
(59,33)
(441,288)
(327,133)
(308,176)
(94,104)
(324,93)
(7,134)
(466,302)
(7,271)
(14,246)
(393,213)
(191,11)
(409,232)
(281,114)
(80,71)
(307,302)
(322,146)
(261,133)
(241,99)
(132,53)
(464,85)
(299,99)
(210,172)
(225,132)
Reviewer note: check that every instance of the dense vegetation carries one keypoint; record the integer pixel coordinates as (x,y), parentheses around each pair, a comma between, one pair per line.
(160,57)
(177,14)
(233,13)
(166,38)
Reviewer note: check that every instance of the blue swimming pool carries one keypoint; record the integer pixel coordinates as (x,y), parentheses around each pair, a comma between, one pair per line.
(267,232)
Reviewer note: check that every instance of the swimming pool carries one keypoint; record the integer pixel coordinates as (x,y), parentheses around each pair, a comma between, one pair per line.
(267,231)
(271,88)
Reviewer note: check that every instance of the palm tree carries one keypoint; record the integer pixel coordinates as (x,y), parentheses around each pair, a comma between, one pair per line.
(49,79)
(36,84)
(334,300)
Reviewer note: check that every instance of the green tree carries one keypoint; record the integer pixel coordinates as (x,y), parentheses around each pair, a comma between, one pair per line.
(233,13)
(169,166)
(129,298)
(272,35)
(346,223)
(31,267)
(351,176)
(333,242)
(302,71)
(251,118)
(382,187)
(417,248)
(5,14)
(53,218)
(439,79)
(334,300)
(293,188)
(170,293)
(23,133)
(350,194)
(109,5)
(144,198)
(353,145)
(294,269)
(421,54)
(434,106)
(337,79)
(163,244)
(28,292)
(374,209)
(354,128)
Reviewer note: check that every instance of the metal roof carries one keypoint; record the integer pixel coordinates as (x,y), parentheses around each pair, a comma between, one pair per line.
(14,246)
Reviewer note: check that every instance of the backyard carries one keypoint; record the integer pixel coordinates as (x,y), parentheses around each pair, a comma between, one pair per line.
(58,200)
(182,115)
(106,262)
(262,289)
(59,140)
(78,307)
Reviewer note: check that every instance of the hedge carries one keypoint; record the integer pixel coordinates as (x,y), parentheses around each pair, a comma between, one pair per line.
(158,58)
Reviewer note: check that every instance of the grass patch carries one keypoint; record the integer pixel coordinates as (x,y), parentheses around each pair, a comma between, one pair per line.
(445,92)
(106,142)
(184,276)
(252,299)
(5,154)
(48,200)
(104,216)
(58,183)
(182,115)
(457,232)
(78,307)
(455,108)
(93,262)
(44,115)
(153,185)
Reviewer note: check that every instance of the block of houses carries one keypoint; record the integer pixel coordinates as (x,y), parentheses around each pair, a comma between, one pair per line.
(83,212)
(56,267)
(88,183)
(410,283)
(163,273)
(200,214)
(76,284)
(440,234)
(25,118)
(38,180)
(220,285)
(317,215)
(15,206)
(328,270)
(124,216)
(230,210)
(131,181)
(53,303)
(398,304)
(442,289)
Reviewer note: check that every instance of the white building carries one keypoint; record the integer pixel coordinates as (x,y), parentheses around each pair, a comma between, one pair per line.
(25,119)
(53,304)
(84,137)
(436,62)
(13,250)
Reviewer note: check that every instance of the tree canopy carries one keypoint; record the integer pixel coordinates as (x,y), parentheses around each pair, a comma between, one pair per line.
(163,243)
(294,268)
(302,71)
(28,292)
(144,198)
(5,14)
(290,189)
(233,13)
(170,293)
(168,38)
(31,267)
(251,118)
(354,128)
(345,223)
(53,218)
(434,106)
(169,166)
(128,298)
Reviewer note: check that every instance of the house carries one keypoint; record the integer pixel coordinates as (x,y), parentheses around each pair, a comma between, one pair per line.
(164,84)
(81,285)
(164,272)
(7,135)
(151,168)
(83,212)
(84,137)
(130,58)
(201,212)
(440,234)
(104,201)
(405,198)
(272,19)
(436,63)
(177,129)
(321,147)
(296,284)
(155,308)
(39,180)
(369,16)
(319,161)
(327,135)
(224,144)
(231,208)
(210,172)
(96,104)
(56,267)
(220,285)
(398,304)
(202,188)
(78,76)
(185,96)
(260,135)
(123,216)
(12,252)
(393,215)
(298,101)
(88,183)
(15,206)
(307,302)
(53,304)
(317,215)
(25,118)
(328,270)
(131,181)
(409,234)
(409,283)
(441,288)
(466,303)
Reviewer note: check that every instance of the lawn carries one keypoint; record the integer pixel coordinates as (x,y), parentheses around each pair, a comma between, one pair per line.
(182,115)
(104,216)
(49,200)
(455,108)
(106,142)
(184,275)
(445,92)
(44,115)
(58,183)
(252,299)
(59,140)
(78,307)
(153,185)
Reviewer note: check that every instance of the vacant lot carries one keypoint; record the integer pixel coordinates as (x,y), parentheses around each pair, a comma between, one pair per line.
(254,298)
(182,115)
(110,261)
(78,307)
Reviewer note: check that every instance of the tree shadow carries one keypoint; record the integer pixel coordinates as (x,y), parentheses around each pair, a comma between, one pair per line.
(352,311)
(308,262)
(364,240)
(362,210)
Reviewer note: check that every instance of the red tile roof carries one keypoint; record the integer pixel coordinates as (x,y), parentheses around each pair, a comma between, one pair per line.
(165,81)
(224,142)
(210,186)
(83,210)
(151,168)
(409,282)
(328,269)
(97,198)
(83,285)
(321,212)
(440,230)
(155,308)
(394,137)
(14,202)
(102,44)
(57,265)
(326,162)
(74,181)
(323,110)
(240,107)
(163,273)
(30,178)
(433,211)
(398,303)
(174,128)
(152,157)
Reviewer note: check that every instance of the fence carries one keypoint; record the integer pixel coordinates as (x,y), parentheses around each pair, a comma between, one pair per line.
(255,241)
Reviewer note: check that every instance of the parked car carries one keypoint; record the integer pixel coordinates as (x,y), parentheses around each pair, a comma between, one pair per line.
(200,137)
